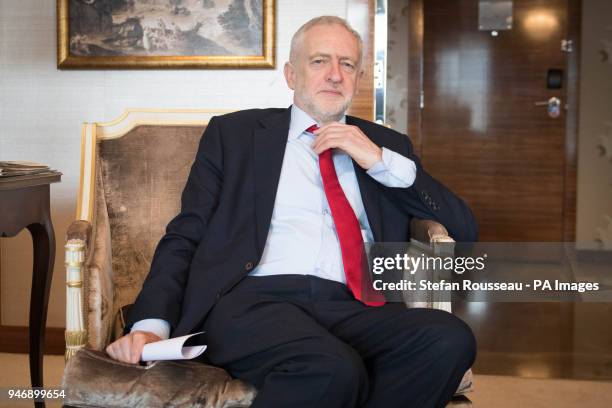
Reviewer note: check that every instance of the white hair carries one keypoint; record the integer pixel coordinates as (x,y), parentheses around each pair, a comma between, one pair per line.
(298,37)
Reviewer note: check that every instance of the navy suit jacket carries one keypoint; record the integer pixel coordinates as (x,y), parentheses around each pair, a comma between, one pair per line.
(220,233)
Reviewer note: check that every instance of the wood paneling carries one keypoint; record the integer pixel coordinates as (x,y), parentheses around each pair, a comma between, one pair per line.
(15,339)
(481,133)
(360,15)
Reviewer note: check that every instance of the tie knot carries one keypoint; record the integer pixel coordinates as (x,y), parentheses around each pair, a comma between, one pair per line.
(312,128)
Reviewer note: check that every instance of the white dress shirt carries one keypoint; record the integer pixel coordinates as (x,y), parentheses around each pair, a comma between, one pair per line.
(302,238)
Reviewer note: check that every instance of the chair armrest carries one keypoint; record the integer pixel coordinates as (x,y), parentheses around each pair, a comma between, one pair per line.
(431,233)
(79,230)
(428,231)
(433,236)
(77,247)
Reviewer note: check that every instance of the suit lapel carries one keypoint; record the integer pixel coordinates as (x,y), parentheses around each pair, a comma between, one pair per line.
(269,149)
(369,192)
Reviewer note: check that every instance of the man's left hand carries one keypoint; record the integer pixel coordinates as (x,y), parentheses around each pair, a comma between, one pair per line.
(349,139)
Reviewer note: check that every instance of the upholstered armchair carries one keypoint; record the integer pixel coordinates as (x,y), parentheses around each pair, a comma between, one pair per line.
(133,171)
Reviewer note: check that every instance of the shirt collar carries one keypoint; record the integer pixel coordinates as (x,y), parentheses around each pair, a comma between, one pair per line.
(300,121)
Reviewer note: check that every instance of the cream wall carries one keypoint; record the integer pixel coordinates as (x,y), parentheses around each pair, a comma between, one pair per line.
(594,201)
(41,110)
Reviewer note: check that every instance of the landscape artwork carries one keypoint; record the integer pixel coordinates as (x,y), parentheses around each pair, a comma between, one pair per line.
(165,33)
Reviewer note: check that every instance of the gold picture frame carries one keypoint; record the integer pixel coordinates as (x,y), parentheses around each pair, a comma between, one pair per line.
(70,54)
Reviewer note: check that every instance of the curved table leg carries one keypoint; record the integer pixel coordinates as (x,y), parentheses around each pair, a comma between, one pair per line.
(43,239)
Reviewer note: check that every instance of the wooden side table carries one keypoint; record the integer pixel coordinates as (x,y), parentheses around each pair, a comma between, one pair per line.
(24,203)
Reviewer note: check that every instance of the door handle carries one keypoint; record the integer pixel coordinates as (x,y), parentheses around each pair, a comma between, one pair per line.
(553,106)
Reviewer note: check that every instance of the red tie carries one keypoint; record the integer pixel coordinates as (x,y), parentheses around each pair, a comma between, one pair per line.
(349,233)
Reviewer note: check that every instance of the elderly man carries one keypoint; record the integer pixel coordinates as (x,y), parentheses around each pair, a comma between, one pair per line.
(265,255)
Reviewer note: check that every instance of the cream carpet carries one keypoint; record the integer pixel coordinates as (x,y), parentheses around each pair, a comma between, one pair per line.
(490,391)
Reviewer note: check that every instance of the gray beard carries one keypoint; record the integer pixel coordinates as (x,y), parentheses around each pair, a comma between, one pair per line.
(329,118)
(323,117)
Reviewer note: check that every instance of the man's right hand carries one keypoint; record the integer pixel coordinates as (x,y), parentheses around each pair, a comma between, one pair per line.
(128,348)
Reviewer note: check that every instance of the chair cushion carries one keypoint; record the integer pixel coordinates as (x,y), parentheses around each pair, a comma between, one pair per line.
(92,379)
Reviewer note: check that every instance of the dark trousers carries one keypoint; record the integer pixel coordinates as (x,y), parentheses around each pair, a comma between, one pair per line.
(304,341)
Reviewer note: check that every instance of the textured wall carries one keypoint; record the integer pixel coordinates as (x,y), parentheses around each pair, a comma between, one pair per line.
(42,108)
(594,205)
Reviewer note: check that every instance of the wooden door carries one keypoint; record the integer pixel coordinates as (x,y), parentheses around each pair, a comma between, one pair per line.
(482,133)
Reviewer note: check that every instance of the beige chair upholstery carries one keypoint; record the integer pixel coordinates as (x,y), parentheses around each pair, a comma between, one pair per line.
(132,175)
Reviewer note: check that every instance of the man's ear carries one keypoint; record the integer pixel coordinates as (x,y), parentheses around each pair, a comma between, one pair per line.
(290,75)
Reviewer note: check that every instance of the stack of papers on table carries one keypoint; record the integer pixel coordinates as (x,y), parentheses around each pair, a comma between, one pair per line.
(21,168)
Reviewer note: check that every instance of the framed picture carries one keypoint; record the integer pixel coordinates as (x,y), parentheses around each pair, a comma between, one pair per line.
(165,34)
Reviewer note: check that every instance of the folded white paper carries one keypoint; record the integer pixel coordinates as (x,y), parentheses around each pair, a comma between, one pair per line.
(177,348)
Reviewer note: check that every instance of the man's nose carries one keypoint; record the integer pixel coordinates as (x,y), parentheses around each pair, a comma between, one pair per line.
(334,74)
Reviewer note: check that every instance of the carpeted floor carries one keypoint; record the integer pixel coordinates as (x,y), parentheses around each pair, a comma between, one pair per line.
(15,372)
(490,391)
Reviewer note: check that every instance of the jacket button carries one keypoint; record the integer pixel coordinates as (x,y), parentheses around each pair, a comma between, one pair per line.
(248,266)
(218,295)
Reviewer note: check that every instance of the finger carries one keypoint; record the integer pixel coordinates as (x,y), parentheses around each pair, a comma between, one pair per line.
(348,131)
(137,346)
(111,351)
(331,143)
(329,134)
(323,147)
(337,126)
(114,349)
(325,138)
(125,347)
(349,140)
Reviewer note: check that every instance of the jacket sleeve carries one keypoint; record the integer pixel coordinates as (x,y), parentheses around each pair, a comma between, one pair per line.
(427,198)
(162,292)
